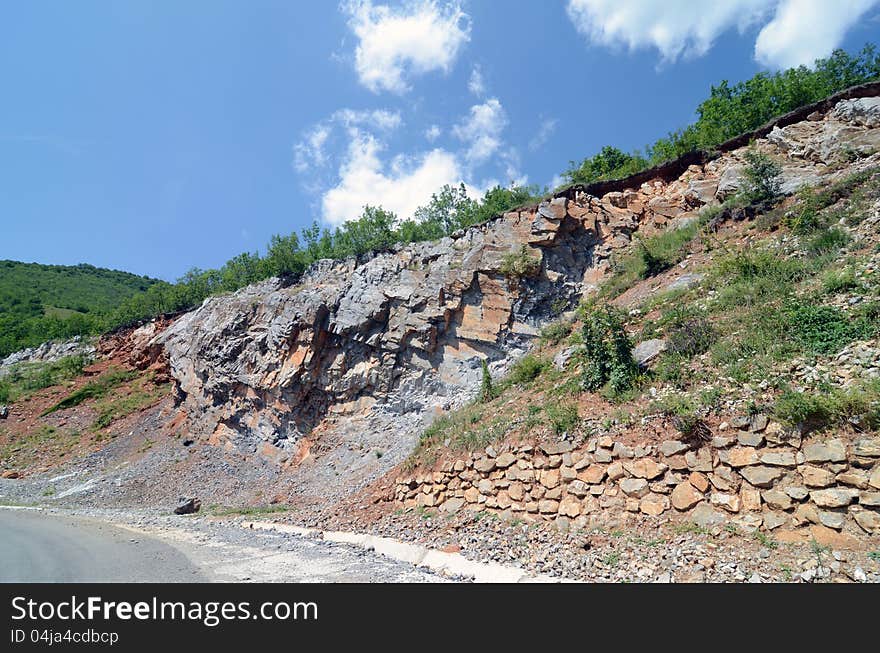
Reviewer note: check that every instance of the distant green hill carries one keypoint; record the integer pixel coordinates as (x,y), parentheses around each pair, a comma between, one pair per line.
(40,302)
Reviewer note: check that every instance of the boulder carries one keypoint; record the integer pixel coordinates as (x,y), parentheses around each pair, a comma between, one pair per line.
(654,504)
(833,451)
(187,506)
(648,350)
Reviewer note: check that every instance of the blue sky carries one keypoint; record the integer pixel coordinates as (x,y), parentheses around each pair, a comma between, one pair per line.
(159,136)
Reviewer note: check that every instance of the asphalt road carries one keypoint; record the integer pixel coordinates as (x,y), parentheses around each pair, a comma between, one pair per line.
(36,547)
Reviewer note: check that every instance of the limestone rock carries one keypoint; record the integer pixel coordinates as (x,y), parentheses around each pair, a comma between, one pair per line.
(654,504)
(672,447)
(634,487)
(685,496)
(779,458)
(729,502)
(742,457)
(648,350)
(705,516)
(777,500)
(761,476)
(645,468)
(834,497)
(816,476)
(823,452)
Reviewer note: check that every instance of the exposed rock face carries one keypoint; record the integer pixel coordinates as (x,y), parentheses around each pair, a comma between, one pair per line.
(48,352)
(341,370)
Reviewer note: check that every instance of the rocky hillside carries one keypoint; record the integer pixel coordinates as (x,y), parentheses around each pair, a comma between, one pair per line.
(344,369)
(355,386)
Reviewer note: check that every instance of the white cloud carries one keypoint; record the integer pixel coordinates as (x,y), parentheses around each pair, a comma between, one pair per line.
(798,31)
(310,151)
(405,185)
(476,85)
(481,130)
(545,131)
(394,44)
(805,30)
(433,132)
(379,118)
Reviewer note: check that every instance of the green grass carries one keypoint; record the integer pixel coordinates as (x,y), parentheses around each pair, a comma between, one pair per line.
(650,257)
(227,511)
(93,390)
(765,540)
(563,417)
(26,378)
(689,527)
(839,280)
(116,407)
(750,278)
(45,440)
(525,370)
(822,408)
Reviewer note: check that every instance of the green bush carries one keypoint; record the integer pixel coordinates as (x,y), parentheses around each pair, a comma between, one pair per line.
(691,337)
(859,405)
(607,352)
(749,278)
(520,265)
(835,281)
(762,177)
(487,391)
(526,369)
(650,257)
(825,330)
(93,390)
(554,333)
(827,241)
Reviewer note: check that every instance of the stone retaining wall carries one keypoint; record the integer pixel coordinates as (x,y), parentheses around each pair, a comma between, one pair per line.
(753,471)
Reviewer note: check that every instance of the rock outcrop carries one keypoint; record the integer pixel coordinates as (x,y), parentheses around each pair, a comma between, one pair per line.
(48,352)
(342,369)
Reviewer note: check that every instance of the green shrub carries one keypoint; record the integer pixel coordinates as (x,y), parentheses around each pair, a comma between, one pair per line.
(526,369)
(750,278)
(487,391)
(520,265)
(762,177)
(607,352)
(825,330)
(691,337)
(93,390)
(835,281)
(858,405)
(554,333)
(649,257)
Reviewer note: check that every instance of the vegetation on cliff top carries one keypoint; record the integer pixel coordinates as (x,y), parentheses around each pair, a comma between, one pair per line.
(731,110)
